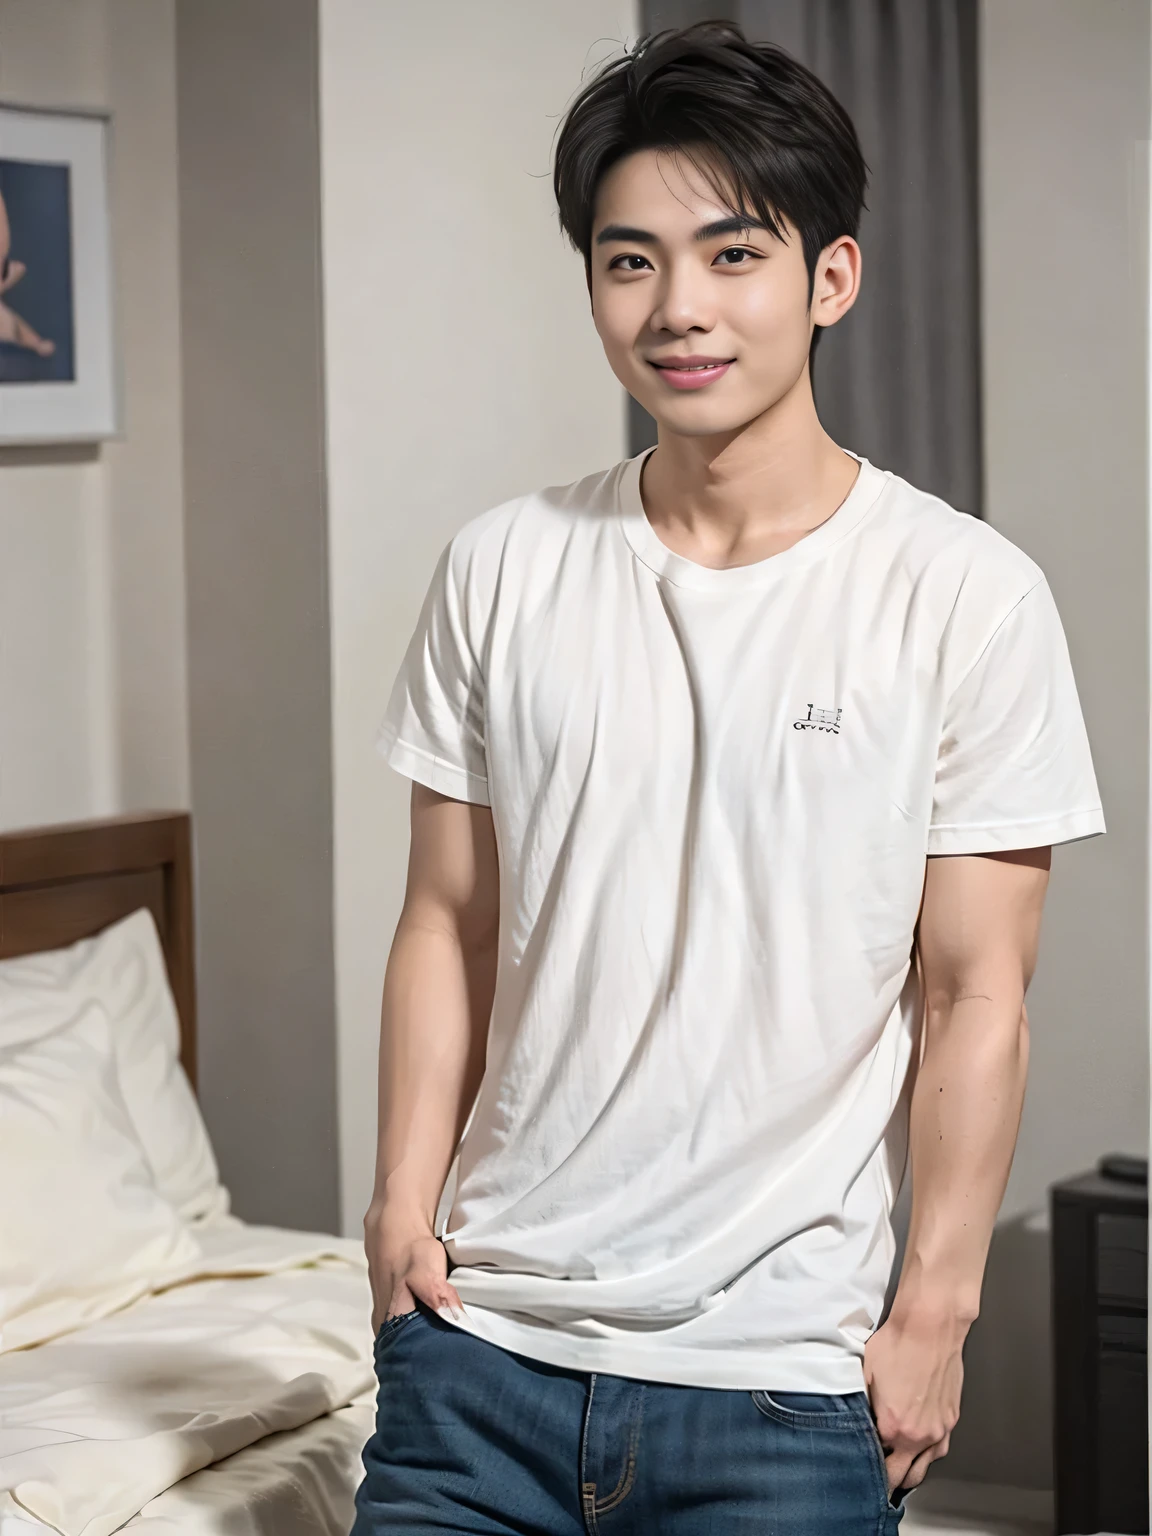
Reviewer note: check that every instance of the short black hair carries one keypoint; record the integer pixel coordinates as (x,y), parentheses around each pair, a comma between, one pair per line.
(760,127)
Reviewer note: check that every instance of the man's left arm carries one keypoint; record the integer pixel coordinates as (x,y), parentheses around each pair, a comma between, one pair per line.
(977,940)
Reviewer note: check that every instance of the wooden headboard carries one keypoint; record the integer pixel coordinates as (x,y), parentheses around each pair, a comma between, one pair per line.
(60,884)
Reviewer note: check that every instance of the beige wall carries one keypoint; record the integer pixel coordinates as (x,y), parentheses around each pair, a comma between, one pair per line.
(1065,117)
(258,602)
(462,368)
(93,701)
(145,489)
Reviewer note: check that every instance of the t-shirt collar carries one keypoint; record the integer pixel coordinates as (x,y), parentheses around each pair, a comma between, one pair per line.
(648,547)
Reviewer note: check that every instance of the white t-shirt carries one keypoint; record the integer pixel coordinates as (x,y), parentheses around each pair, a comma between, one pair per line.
(713,794)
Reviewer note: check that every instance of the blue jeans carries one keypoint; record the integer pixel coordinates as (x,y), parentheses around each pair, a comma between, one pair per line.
(472,1438)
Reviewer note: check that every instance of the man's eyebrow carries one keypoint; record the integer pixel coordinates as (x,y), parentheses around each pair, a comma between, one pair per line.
(736,224)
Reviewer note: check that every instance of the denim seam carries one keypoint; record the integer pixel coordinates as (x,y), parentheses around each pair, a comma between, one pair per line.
(624,1487)
(587,1489)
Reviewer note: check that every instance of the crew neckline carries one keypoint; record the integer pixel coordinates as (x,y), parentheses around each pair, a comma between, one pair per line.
(650,549)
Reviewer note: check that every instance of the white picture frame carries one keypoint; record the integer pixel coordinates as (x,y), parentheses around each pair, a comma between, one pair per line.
(58,375)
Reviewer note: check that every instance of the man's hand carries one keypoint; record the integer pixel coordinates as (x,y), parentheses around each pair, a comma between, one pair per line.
(913,1370)
(405,1267)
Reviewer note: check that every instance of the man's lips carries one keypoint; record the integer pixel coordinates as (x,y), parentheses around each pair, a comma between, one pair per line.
(696,361)
(691,372)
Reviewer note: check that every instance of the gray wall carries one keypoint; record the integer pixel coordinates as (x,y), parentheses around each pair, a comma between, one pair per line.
(258,647)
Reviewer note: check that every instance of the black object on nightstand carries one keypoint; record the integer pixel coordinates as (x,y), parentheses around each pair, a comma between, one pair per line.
(1100,1324)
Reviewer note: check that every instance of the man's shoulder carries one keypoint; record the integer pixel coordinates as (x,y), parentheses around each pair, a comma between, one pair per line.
(539,511)
(953,550)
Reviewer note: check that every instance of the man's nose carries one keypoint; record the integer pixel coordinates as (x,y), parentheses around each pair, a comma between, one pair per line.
(685,302)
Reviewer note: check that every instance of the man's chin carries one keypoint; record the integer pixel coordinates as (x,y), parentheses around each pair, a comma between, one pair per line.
(699,418)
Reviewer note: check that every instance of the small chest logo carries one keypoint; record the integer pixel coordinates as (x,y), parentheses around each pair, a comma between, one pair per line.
(819,720)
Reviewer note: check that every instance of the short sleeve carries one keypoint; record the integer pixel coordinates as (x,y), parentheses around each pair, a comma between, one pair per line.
(1014,769)
(433,728)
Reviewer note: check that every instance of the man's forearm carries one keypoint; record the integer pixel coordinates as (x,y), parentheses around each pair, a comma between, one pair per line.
(976,942)
(964,1122)
(437,999)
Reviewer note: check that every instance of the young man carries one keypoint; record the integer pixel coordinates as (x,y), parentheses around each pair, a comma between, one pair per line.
(737,768)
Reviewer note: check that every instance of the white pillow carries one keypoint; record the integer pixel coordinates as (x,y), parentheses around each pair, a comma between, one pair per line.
(83,1228)
(122,971)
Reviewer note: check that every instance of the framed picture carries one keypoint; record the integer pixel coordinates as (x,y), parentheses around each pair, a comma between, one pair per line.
(57,357)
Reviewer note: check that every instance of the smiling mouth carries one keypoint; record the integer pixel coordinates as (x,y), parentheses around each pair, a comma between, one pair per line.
(718,362)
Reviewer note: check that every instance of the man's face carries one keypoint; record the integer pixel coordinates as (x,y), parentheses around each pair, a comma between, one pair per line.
(665,287)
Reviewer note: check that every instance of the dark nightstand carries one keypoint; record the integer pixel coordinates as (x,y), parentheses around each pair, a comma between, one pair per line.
(1100,1323)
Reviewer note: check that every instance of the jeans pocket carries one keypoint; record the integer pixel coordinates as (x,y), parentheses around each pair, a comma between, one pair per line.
(390,1327)
(814,1410)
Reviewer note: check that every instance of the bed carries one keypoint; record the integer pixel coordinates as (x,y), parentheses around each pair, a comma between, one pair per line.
(164,1367)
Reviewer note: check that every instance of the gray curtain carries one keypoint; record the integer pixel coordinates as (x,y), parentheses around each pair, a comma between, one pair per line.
(898,380)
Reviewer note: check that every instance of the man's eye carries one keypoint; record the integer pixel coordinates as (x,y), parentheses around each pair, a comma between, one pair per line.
(616,263)
(744,256)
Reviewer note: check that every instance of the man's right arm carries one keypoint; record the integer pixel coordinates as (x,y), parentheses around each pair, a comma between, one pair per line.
(438,991)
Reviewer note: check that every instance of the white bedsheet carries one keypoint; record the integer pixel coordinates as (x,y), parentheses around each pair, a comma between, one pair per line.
(298,1483)
(97,1427)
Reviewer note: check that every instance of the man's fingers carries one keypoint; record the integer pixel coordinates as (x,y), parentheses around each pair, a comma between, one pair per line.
(435,1292)
(401,1301)
(897,1464)
(404,1272)
(397,1300)
(907,1464)
(919,1466)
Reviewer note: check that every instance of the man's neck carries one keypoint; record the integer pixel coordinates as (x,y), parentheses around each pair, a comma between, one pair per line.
(736,498)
